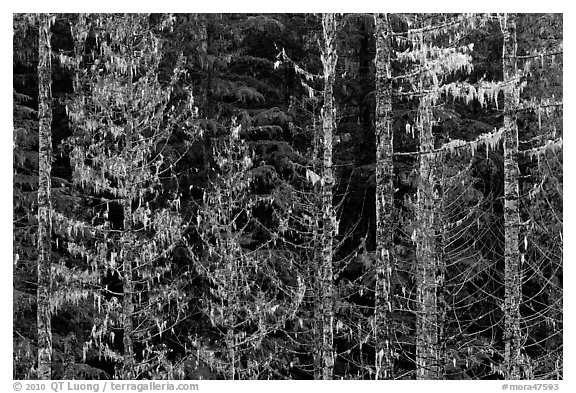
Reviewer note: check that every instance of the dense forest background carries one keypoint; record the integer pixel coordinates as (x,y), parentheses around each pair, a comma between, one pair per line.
(287,196)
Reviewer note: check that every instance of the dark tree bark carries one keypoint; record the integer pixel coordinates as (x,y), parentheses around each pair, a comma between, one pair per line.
(44,202)
(329,59)
(512,277)
(384,199)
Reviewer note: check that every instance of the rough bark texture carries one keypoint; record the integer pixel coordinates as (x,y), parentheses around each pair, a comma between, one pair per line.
(429,275)
(384,200)
(316,275)
(329,59)
(429,282)
(512,278)
(127,305)
(44,203)
(231,298)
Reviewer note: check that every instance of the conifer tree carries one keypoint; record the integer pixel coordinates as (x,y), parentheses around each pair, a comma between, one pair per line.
(434,64)
(122,125)
(249,297)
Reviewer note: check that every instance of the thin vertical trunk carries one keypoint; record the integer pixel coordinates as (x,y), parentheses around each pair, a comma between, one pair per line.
(128,371)
(208,51)
(316,275)
(329,59)
(232,299)
(429,356)
(429,283)
(384,200)
(208,47)
(127,273)
(231,352)
(554,315)
(44,203)
(512,278)
(79,32)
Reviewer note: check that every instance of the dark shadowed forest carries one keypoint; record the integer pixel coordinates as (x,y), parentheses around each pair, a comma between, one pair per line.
(288,196)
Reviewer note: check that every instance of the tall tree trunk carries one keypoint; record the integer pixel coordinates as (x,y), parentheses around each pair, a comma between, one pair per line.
(512,277)
(429,282)
(231,298)
(209,52)
(44,203)
(429,276)
(329,59)
(316,275)
(79,32)
(128,371)
(384,199)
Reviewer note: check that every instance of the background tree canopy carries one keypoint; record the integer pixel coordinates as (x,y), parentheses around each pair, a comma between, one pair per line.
(287,196)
